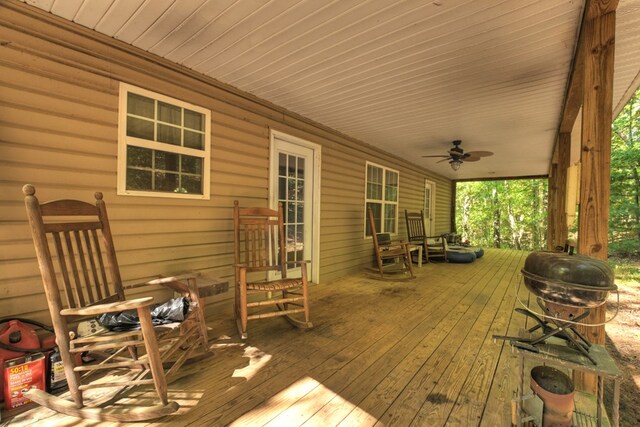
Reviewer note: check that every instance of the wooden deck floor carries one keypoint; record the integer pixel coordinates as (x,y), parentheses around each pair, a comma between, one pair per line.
(381,353)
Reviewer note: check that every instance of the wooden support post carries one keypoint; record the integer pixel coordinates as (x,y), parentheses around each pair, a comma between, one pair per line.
(564,152)
(454,186)
(595,155)
(552,211)
(557,232)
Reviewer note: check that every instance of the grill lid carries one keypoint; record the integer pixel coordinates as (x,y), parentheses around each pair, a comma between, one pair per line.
(573,280)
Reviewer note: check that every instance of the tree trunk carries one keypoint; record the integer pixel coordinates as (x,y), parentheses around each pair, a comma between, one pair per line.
(497,241)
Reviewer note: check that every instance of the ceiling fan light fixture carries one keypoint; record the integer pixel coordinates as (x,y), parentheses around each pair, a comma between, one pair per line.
(455,164)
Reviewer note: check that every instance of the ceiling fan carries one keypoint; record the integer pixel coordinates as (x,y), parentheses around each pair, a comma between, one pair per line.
(457,156)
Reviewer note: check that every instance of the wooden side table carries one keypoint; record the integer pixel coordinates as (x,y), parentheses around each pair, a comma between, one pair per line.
(565,357)
(419,248)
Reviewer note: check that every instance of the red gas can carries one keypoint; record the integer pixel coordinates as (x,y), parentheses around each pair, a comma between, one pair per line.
(17,335)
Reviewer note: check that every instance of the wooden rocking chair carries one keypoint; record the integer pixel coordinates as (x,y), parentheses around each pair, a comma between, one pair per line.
(387,249)
(261,249)
(74,246)
(434,247)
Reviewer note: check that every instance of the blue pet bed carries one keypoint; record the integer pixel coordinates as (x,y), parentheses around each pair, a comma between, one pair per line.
(464,254)
(460,256)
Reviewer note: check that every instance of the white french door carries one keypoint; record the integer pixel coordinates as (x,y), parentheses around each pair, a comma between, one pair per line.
(429,207)
(294,182)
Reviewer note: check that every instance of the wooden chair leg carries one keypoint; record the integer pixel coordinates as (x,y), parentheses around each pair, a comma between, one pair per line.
(408,258)
(305,294)
(73,377)
(151,345)
(242,290)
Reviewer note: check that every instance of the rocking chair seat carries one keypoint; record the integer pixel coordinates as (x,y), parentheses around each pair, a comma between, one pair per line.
(279,285)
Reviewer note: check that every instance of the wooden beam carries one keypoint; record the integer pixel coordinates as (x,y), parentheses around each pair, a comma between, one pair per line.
(557,232)
(564,153)
(597,8)
(595,157)
(595,154)
(552,200)
(573,98)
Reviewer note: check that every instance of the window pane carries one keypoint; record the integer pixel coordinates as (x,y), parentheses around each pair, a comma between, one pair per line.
(139,128)
(169,113)
(193,120)
(140,105)
(192,184)
(169,134)
(282,164)
(291,213)
(390,218)
(166,181)
(300,212)
(139,157)
(292,189)
(191,164)
(166,161)
(391,186)
(374,183)
(138,179)
(301,167)
(291,169)
(377,212)
(282,188)
(193,140)
(300,189)
(374,191)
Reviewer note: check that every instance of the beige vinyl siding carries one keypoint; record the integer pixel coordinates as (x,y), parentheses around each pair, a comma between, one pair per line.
(58,131)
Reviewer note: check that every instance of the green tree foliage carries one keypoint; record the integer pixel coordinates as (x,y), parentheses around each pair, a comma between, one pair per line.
(503,214)
(624,214)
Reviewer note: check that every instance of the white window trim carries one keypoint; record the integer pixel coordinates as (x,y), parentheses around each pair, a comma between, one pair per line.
(123,140)
(383,201)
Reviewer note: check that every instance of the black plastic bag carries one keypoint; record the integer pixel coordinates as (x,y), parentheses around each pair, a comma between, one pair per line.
(174,310)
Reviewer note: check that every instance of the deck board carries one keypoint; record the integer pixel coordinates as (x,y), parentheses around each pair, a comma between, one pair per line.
(381,353)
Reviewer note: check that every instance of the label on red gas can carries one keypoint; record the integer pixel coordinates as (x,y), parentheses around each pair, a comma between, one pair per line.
(20,375)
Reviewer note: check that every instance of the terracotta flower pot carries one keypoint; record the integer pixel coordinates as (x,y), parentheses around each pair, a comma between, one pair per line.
(556,390)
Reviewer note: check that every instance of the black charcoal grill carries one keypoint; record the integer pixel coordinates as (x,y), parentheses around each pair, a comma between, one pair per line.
(567,287)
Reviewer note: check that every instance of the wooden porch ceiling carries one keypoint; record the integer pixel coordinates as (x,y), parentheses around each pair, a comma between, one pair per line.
(394,353)
(407,76)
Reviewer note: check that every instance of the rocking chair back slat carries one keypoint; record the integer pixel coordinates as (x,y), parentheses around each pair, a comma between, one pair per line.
(258,240)
(83,250)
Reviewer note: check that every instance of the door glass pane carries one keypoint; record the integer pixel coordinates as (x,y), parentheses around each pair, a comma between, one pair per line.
(291,184)
(427,202)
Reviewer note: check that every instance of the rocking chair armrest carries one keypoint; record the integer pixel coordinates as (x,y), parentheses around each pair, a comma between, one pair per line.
(108,308)
(169,279)
(163,280)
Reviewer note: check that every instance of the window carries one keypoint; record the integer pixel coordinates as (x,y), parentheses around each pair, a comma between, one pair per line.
(163,146)
(382,198)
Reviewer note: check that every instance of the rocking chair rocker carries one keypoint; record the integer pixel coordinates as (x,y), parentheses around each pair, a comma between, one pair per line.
(85,262)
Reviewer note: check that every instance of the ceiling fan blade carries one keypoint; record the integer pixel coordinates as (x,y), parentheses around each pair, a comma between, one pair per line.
(471,159)
(480,153)
(436,156)
(443,160)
